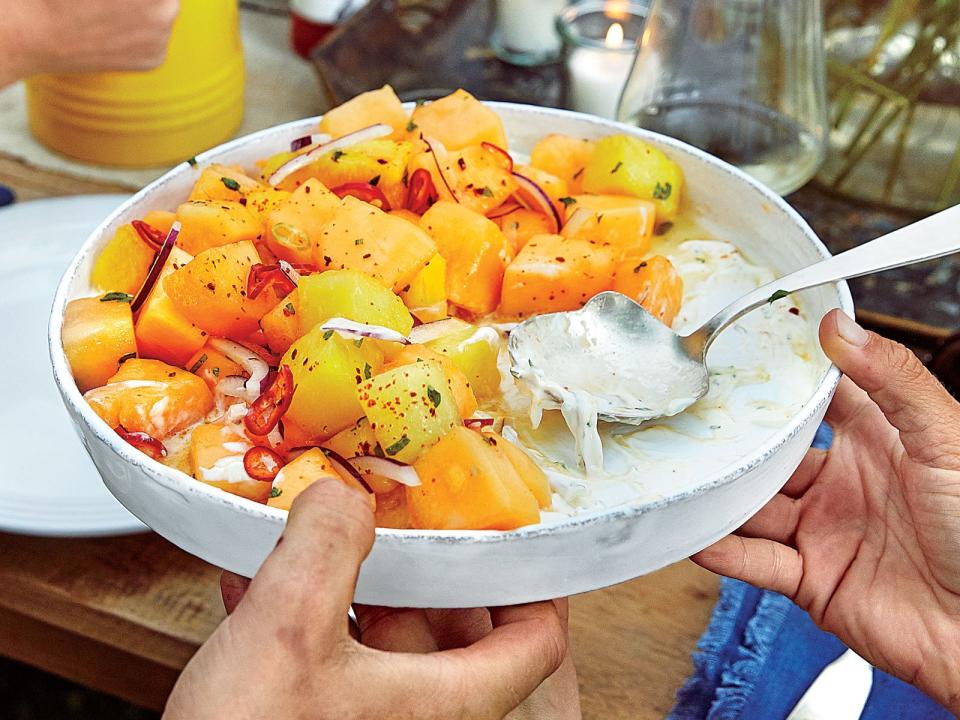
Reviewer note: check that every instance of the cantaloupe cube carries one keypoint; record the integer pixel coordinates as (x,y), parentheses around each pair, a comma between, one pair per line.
(96,335)
(522,224)
(555,187)
(261,203)
(564,157)
(624,222)
(474,351)
(466,484)
(409,408)
(654,283)
(353,295)
(369,108)
(392,510)
(626,165)
(476,253)
(123,264)
(553,273)
(162,220)
(531,474)
(295,228)
(281,326)
(212,366)
(362,237)
(223,182)
(299,474)
(163,331)
(211,223)
(216,458)
(458,120)
(426,294)
(327,370)
(210,291)
(153,397)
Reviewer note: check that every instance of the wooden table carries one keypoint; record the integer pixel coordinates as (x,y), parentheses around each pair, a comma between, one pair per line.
(124,615)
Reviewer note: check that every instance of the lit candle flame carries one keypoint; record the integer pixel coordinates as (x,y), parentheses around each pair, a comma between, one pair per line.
(614,38)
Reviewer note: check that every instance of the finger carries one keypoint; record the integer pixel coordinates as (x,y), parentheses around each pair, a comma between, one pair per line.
(526,646)
(910,397)
(777,521)
(459,628)
(847,401)
(395,629)
(764,563)
(313,572)
(806,472)
(232,589)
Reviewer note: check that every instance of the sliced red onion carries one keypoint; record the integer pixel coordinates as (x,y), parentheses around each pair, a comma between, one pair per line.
(301,161)
(307,140)
(505,209)
(432,330)
(345,469)
(476,423)
(386,467)
(291,272)
(432,145)
(232,386)
(507,158)
(355,330)
(252,363)
(159,260)
(533,196)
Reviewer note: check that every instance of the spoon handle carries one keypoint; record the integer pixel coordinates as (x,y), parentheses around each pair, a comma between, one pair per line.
(930,238)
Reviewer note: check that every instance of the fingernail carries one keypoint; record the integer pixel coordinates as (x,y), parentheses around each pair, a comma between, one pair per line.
(850,331)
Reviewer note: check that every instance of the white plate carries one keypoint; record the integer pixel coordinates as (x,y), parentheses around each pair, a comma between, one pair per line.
(48,486)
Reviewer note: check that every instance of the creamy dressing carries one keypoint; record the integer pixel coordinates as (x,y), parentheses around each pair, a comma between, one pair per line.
(762,370)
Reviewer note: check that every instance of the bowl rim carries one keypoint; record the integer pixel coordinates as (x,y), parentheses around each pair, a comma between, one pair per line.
(182,483)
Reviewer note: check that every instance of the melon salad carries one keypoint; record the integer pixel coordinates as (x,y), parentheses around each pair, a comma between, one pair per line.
(340,310)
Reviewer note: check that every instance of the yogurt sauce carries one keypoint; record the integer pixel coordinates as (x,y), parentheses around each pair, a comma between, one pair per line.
(762,370)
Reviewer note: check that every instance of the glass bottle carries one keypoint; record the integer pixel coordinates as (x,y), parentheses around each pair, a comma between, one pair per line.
(741,79)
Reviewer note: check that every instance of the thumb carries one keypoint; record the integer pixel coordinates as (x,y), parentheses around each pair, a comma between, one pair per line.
(910,397)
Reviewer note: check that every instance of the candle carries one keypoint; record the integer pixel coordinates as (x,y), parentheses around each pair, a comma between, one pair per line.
(598,64)
(526,31)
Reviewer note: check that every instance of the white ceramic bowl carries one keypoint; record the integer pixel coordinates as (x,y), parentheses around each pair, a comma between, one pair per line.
(422,568)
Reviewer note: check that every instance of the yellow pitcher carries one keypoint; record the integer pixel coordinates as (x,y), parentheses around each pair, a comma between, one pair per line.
(142,119)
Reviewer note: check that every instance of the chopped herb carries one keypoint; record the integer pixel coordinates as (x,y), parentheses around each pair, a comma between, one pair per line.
(486,192)
(378,451)
(289,309)
(328,334)
(374,180)
(216,372)
(578,173)
(117,297)
(230,183)
(663,228)
(662,192)
(778,295)
(199,363)
(367,371)
(337,154)
(358,343)
(599,218)
(489,440)
(434,396)
(641,265)
(358,241)
(567,201)
(192,161)
(398,445)
(275,492)
(411,126)
(616,167)
(421,101)
(124,358)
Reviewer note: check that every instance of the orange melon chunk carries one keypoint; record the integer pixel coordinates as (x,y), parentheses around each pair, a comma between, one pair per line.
(369,108)
(458,120)
(564,157)
(467,484)
(223,182)
(301,473)
(622,221)
(96,335)
(476,253)
(210,290)
(281,326)
(553,273)
(522,224)
(654,283)
(211,223)
(531,474)
(163,332)
(216,458)
(162,220)
(294,229)
(153,397)
(123,264)
(212,366)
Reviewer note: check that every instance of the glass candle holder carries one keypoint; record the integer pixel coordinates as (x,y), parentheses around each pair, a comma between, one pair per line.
(600,40)
(526,32)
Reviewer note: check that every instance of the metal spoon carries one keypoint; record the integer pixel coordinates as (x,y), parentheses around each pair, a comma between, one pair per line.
(615,360)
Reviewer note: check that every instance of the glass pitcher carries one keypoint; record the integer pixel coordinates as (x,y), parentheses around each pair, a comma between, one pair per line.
(741,79)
